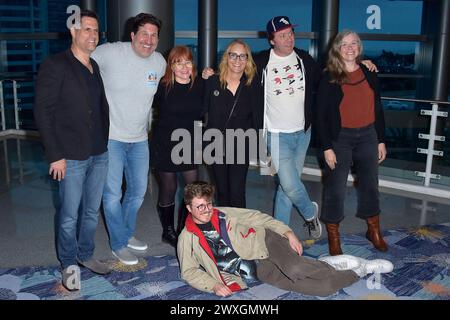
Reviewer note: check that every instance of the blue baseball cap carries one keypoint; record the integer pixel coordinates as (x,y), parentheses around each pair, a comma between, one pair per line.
(278,23)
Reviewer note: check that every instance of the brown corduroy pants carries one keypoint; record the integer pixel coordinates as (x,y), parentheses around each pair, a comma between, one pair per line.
(286,270)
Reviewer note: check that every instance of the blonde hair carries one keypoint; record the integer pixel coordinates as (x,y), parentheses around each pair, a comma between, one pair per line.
(335,63)
(176,55)
(250,67)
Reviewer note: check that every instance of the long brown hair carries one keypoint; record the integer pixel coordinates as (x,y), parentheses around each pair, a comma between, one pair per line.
(176,55)
(250,67)
(335,64)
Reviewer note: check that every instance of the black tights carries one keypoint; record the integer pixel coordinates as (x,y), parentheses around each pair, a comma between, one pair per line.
(168,185)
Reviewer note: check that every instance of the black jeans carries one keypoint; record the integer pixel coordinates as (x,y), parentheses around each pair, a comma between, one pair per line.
(230,180)
(357,148)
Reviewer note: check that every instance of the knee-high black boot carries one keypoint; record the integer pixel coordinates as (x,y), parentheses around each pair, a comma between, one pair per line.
(166,215)
(182,214)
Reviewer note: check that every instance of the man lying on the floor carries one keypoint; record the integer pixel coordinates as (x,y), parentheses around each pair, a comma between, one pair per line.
(220,249)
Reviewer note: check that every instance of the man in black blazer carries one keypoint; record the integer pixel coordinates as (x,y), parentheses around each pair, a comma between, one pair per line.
(72,115)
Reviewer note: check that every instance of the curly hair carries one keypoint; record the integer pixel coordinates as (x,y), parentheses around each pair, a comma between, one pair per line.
(144,18)
(198,189)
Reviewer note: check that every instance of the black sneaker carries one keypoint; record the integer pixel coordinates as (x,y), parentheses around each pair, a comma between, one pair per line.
(314,226)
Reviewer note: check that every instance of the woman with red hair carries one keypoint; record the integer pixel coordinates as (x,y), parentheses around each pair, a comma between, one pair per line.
(178,103)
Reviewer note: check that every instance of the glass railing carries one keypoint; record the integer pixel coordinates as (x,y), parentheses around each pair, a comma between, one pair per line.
(410,124)
(417,141)
(16,102)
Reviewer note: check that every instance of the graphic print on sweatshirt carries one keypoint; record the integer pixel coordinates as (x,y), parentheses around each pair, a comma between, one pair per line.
(152,79)
(286,79)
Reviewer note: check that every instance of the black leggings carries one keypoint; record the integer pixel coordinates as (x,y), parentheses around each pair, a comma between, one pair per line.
(168,185)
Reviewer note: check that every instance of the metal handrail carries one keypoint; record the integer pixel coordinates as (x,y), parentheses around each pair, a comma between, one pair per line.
(417,100)
(2,107)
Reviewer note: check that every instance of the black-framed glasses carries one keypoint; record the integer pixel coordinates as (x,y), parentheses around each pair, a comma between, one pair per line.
(234,56)
(202,207)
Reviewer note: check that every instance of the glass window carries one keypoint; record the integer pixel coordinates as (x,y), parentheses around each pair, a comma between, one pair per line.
(448,90)
(57,16)
(254,15)
(385,16)
(21,62)
(186,12)
(393,57)
(398,64)
(257,45)
(40,16)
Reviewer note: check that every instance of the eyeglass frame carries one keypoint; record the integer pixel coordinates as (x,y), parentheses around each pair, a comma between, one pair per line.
(242,56)
(181,64)
(208,206)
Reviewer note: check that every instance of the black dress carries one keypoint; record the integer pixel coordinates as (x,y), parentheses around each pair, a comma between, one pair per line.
(177,109)
(230,178)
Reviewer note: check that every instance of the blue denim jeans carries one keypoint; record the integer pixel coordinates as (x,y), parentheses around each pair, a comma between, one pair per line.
(120,214)
(288,151)
(80,195)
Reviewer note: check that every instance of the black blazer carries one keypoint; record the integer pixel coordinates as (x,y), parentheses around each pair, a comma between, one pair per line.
(329,98)
(63,111)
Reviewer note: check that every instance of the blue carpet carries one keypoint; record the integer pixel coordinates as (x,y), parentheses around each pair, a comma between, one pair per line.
(421,259)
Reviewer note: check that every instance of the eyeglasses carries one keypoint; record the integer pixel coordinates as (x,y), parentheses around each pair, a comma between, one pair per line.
(353,44)
(286,35)
(234,56)
(203,206)
(181,64)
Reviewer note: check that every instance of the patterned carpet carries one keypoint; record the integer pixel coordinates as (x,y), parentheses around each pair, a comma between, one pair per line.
(421,259)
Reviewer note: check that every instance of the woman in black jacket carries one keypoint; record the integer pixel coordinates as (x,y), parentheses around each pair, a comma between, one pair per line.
(230,105)
(350,130)
(179,100)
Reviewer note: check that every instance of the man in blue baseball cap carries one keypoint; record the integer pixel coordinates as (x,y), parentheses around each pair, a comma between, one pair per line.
(285,91)
(288,79)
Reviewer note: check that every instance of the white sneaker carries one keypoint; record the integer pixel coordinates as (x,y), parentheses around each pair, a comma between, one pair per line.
(373,266)
(136,244)
(126,257)
(342,262)
(378,266)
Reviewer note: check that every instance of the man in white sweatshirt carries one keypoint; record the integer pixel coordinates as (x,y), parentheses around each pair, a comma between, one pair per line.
(131,72)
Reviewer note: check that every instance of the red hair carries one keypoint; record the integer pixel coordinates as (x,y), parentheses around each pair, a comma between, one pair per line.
(177,54)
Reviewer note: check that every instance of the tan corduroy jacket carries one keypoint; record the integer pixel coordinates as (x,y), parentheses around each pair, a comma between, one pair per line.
(244,229)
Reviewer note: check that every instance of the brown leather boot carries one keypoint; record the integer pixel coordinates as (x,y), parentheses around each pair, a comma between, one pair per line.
(334,240)
(374,233)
